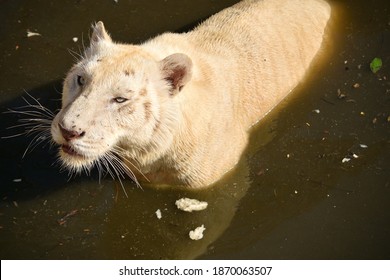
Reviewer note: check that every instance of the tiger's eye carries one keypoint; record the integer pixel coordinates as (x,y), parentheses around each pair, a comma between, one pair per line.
(80,80)
(120,99)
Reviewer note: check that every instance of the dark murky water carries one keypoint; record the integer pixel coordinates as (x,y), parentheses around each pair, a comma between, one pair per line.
(290,197)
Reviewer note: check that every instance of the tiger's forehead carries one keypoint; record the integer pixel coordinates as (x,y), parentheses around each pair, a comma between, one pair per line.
(126,64)
(117,54)
(103,69)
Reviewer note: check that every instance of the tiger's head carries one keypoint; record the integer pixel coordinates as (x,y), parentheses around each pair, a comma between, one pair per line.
(118,99)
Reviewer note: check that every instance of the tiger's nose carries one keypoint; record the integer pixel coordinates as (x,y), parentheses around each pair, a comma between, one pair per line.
(70,134)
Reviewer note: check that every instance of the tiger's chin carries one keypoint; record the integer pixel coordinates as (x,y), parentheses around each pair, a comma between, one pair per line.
(75,161)
(108,162)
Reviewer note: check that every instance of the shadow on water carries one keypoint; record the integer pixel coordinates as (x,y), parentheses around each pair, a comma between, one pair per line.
(289,197)
(32,170)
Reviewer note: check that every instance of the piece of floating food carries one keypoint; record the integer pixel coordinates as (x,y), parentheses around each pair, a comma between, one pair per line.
(197,233)
(189,205)
(158,214)
(31,34)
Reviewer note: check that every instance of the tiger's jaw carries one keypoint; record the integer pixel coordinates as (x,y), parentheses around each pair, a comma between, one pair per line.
(67,150)
(76,160)
(111,162)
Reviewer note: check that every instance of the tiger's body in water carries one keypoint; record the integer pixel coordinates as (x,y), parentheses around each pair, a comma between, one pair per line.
(178,107)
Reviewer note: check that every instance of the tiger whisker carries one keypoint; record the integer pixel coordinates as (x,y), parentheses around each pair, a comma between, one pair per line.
(36,115)
(37,124)
(110,165)
(39,105)
(121,151)
(77,56)
(38,139)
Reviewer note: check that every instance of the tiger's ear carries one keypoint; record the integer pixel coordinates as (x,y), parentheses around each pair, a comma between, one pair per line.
(99,33)
(177,71)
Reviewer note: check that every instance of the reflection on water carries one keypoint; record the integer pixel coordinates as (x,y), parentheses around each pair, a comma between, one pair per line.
(291,196)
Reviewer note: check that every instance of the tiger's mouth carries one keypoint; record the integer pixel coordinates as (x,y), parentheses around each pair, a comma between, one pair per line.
(74,159)
(79,157)
(67,149)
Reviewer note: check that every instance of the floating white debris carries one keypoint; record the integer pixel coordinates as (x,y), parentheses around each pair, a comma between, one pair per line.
(189,205)
(317,111)
(158,214)
(197,233)
(31,34)
(348,158)
(17,180)
(75,39)
(364,146)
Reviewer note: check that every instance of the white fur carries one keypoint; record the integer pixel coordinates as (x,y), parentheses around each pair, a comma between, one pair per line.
(191,97)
